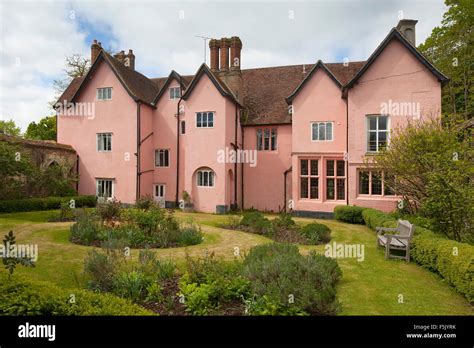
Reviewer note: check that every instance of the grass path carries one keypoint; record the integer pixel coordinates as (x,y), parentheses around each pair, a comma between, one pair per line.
(371,287)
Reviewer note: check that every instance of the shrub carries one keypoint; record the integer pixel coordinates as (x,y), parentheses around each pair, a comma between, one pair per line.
(316,233)
(190,234)
(280,272)
(26,297)
(257,223)
(349,213)
(85,230)
(283,221)
(101,269)
(145,202)
(436,253)
(452,260)
(48,203)
(208,284)
(109,210)
(374,218)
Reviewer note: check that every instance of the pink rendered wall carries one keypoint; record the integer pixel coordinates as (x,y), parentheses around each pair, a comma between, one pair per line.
(395,75)
(164,137)
(118,116)
(202,145)
(263,184)
(319,100)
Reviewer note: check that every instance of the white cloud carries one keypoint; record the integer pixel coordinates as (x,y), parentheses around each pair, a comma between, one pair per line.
(42,33)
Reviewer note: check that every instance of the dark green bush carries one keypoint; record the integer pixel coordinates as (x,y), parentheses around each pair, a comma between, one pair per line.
(190,234)
(145,202)
(209,284)
(375,218)
(454,261)
(26,297)
(349,213)
(316,233)
(292,283)
(48,203)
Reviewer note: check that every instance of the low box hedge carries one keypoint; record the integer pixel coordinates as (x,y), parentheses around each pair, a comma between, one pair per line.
(453,260)
(47,203)
(27,297)
(349,213)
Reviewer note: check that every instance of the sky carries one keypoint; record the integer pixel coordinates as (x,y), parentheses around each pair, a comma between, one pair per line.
(37,36)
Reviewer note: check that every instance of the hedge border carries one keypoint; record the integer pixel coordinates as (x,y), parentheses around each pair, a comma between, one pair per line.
(47,203)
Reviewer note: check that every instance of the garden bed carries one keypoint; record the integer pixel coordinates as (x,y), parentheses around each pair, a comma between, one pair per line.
(281,229)
(151,227)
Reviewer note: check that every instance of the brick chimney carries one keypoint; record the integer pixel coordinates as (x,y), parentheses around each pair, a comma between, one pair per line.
(407,28)
(120,56)
(224,54)
(96,47)
(130,60)
(214,47)
(232,75)
(235,49)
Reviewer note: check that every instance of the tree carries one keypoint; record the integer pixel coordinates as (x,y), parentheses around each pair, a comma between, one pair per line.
(45,129)
(76,66)
(9,128)
(15,167)
(451,48)
(431,167)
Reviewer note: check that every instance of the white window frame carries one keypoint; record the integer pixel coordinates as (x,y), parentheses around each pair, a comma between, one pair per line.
(100,93)
(158,163)
(173,94)
(325,123)
(112,188)
(376,131)
(208,172)
(99,141)
(207,119)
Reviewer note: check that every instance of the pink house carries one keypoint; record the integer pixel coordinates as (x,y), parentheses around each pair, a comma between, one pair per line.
(277,138)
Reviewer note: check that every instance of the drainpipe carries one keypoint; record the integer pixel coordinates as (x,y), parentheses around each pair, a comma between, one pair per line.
(138,149)
(346,92)
(235,164)
(284,187)
(242,171)
(177,153)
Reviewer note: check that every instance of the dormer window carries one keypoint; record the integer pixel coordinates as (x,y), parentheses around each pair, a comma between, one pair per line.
(104,93)
(175,92)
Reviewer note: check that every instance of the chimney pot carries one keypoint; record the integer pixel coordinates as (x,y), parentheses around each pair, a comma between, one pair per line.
(95,50)
(235,49)
(224,53)
(406,27)
(214,47)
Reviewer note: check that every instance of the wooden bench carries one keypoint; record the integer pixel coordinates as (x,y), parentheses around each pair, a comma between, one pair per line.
(400,240)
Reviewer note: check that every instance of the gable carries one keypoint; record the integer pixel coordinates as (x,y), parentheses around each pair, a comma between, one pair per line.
(395,35)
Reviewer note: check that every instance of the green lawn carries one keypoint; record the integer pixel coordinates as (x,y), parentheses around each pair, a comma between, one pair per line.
(370,287)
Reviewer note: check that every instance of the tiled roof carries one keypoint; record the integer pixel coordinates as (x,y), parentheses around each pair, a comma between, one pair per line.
(266,89)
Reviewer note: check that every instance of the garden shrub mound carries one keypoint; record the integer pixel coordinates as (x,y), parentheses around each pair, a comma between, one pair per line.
(281,229)
(349,213)
(26,297)
(285,282)
(153,228)
(48,203)
(273,279)
(451,259)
